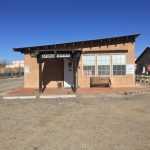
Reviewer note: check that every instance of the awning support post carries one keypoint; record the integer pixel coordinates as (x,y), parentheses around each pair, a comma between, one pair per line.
(74,75)
(40,77)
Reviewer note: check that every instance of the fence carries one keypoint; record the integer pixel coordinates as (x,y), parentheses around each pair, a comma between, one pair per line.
(143,80)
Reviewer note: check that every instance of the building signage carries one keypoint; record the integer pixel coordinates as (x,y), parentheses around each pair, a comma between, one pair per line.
(130,69)
(45,56)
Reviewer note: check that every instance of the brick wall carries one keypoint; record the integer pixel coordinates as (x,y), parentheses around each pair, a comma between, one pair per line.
(117,81)
(53,70)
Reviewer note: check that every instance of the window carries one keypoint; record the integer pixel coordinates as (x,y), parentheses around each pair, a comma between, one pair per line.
(103,63)
(89,70)
(119,59)
(89,64)
(119,69)
(119,64)
(103,70)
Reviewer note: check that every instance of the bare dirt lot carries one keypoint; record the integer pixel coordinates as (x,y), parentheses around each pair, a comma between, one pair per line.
(77,124)
(8,84)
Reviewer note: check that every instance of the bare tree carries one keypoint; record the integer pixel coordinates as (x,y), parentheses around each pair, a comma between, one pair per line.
(3,62)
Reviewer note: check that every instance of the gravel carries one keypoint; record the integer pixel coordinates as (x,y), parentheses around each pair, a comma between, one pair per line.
(109,123)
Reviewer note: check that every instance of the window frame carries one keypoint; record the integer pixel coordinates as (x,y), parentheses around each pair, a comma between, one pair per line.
(103,70)
(101,64)
(121,64)
(83,65)
(111,64)
(120,72)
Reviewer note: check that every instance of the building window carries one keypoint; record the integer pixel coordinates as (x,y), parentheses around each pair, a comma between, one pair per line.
(119,64)
(89,70)
(89,65)
(119,69)
(103,70)
(103,63)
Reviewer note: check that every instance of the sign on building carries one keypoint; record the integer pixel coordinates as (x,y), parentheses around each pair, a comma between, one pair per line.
(45,56)
(130,69)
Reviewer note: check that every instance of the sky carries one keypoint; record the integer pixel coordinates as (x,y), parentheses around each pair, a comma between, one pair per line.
(36,22)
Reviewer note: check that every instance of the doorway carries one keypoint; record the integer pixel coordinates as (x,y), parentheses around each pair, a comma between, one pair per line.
(68,74)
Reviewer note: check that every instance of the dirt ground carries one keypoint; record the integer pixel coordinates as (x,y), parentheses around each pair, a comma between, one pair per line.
(7,85)
(76,124)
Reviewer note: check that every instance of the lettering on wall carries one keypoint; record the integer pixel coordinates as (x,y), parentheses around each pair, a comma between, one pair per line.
(44,56)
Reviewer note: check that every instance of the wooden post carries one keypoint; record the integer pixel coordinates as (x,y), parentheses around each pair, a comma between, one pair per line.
(40,77)
(74,75)
(76,59)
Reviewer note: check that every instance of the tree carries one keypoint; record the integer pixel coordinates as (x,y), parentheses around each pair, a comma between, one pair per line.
(3,62)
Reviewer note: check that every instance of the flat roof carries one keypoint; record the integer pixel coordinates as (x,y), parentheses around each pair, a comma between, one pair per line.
(73,46)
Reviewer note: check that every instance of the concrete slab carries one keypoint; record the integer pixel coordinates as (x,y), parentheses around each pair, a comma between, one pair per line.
(57,96)
(19,97)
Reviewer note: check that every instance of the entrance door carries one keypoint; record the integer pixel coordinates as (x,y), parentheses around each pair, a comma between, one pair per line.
(68,73)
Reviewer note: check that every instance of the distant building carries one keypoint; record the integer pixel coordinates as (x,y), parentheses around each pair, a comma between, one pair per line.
(15,68)
(2,68)
(143,63)
(16,64)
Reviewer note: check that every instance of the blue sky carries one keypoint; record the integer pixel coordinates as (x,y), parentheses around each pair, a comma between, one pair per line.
(36,22)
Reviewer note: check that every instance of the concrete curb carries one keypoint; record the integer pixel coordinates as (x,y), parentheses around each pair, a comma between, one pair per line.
(117,95)
(19,97)
(41,97)
(56,96)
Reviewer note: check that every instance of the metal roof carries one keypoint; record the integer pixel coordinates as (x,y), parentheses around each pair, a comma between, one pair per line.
(79,44)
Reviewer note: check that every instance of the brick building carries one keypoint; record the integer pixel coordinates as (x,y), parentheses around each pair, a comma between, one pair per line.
(77,64)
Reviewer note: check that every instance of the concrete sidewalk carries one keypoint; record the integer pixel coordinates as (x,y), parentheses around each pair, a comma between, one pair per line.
(81,92)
